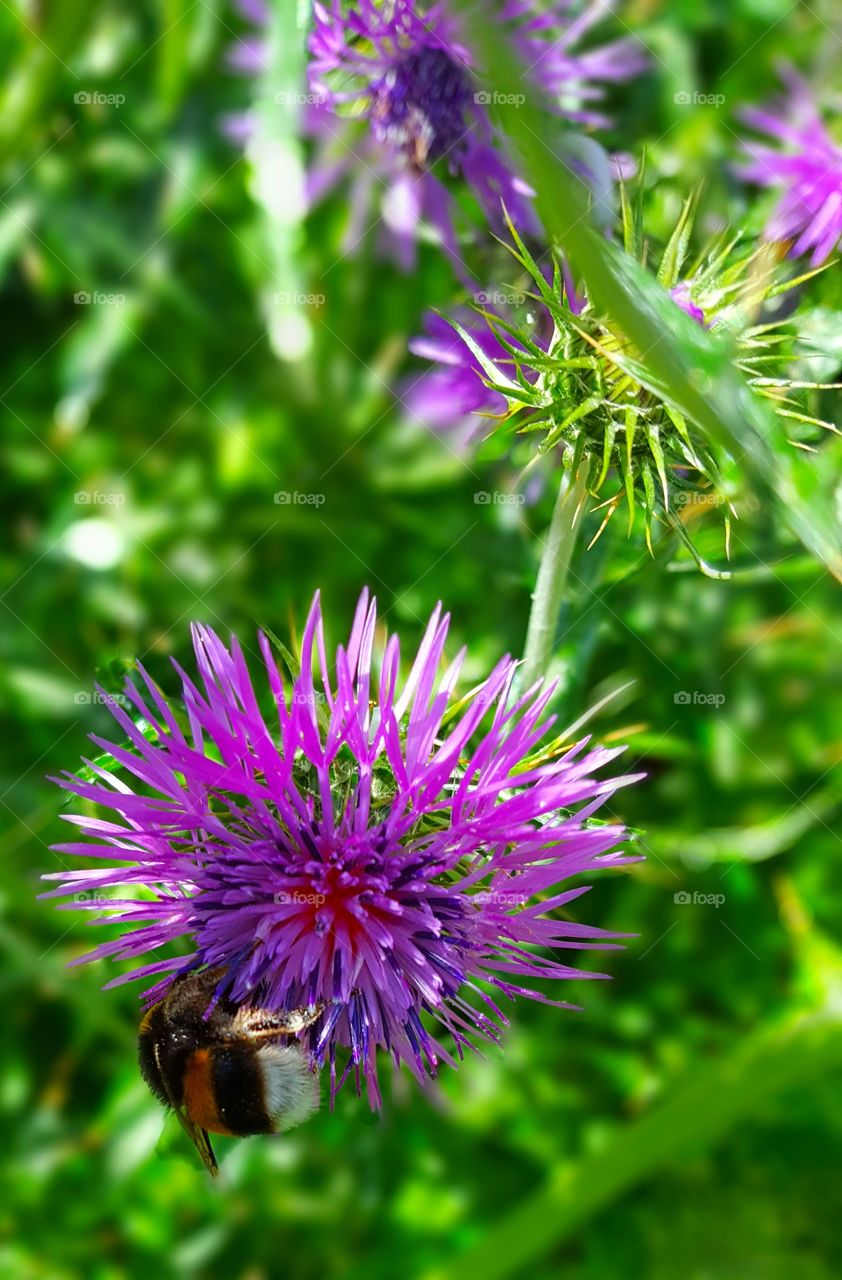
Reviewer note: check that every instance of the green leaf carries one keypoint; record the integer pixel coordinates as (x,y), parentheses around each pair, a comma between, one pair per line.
(290,661)
(489,368)
(676,250)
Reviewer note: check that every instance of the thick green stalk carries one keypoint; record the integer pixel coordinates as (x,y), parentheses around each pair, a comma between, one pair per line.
(553,572)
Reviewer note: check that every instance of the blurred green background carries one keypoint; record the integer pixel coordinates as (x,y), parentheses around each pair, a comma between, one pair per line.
(688,1122)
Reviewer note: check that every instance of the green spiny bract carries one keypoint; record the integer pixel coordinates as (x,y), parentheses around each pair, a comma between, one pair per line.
(584,390)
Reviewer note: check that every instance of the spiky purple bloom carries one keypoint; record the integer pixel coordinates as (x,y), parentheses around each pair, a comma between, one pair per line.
(806,167)
(401,71)
(371,844)
(411,78)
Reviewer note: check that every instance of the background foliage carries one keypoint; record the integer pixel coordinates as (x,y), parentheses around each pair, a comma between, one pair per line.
(687,1122)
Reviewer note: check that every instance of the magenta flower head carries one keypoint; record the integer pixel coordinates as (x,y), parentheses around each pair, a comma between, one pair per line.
(805,167)
(372,845)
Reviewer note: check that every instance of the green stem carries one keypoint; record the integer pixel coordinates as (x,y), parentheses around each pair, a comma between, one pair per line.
(787,1056)
(553,572)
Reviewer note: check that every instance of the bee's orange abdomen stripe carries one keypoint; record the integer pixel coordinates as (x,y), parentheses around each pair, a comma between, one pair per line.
(199,1099)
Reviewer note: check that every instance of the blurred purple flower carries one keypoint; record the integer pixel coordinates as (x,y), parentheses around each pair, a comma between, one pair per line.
(682,297)
(806,167)
(407,83)
(412,81)
(452,395)
(372,844)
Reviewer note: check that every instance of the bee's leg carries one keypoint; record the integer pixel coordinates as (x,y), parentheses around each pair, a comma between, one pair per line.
(266,1024)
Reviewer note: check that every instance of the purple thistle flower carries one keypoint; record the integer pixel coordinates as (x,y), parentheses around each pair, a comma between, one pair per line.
(412,81)
(372,844)
(806,168)
(546,43)
(397,98)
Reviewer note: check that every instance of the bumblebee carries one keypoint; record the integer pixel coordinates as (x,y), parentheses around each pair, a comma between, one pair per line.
(228,1071)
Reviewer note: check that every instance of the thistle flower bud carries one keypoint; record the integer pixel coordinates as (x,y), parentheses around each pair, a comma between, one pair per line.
(576,390)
